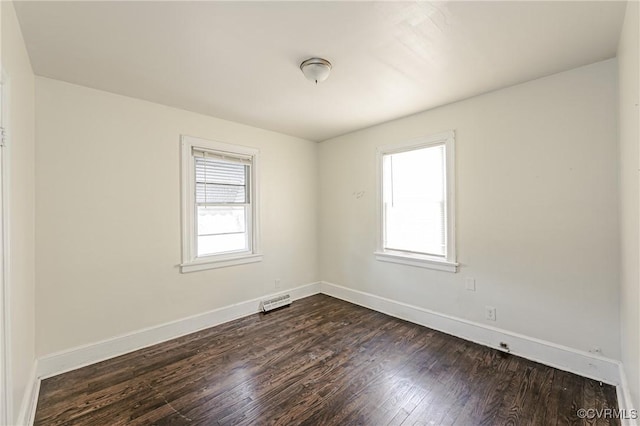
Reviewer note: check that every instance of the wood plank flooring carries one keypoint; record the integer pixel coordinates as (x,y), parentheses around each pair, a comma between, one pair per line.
(321,361)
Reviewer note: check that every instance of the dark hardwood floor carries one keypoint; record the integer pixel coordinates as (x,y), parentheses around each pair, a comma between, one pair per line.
(321,361)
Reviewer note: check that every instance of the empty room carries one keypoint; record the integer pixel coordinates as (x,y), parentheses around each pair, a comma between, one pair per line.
(319,213)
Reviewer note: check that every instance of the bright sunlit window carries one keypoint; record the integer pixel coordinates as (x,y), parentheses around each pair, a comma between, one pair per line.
(219,204)
(416,185)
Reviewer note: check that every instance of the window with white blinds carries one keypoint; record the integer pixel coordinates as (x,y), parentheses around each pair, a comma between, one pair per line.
(220,209)
(417,202)
(223,203)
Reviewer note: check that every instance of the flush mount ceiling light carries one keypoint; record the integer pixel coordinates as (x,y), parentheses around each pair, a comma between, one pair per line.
(316,69)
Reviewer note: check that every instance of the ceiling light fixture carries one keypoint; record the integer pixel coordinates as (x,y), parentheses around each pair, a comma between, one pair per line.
(316,69)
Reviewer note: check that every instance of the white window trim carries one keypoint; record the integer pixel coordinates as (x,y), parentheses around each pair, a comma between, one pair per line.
(190,262)
(448,263)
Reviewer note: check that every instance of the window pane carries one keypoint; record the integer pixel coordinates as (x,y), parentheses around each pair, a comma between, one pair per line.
(221,219)
(215,193)
(414,201)
(221,229)
(219,181)
(219,171)
(215,244)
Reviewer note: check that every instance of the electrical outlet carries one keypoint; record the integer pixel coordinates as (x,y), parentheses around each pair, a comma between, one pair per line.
(276,283)
(470,284)
(490,313)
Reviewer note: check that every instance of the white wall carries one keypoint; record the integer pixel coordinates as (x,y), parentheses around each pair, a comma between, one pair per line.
(108,216)
(537,216)
(629,199)
(21,200)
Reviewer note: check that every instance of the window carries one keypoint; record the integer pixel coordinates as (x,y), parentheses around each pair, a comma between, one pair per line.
(219,191)
(416,203)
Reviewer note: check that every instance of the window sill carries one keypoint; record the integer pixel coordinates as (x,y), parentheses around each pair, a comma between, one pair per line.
(427,262)
(203,264)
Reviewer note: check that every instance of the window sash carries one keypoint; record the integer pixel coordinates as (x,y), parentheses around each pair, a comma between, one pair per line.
(214,171)
(415,215)
(220,224)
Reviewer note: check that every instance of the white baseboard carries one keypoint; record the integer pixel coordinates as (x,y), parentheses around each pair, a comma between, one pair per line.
(29,399)
(71,359)
(625,403)
(562,357)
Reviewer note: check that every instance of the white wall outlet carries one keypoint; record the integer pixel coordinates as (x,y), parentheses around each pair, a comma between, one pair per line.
(490,313)
(470,284)
(276,283)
